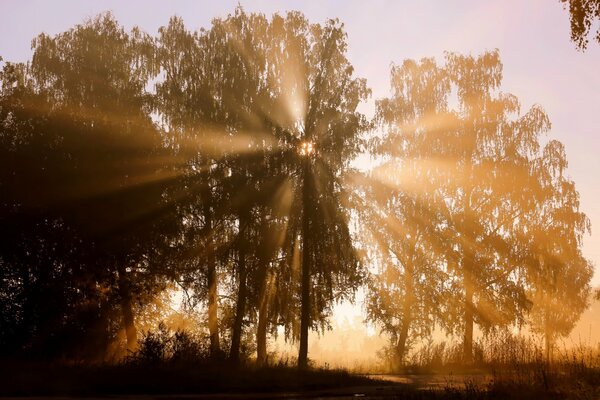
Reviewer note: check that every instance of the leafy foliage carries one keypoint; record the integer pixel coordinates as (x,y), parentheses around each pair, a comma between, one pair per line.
(219,162)
(583,15)
(471,201)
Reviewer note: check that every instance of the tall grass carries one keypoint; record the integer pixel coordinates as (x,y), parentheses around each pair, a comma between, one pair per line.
(506,365)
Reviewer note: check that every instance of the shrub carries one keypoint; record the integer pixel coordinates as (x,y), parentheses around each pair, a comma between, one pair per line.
(164,346)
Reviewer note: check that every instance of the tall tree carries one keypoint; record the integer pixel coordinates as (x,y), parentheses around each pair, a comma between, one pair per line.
(404,194)
(472,150)
(284,95)
(559,275)
(328,130)
(492,193)
(188,103)
(97,145)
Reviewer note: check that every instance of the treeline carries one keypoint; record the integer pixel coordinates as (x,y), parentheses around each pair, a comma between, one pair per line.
(220,161)
(483,224)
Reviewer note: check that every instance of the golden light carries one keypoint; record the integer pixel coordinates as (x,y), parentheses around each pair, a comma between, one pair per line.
(307,148)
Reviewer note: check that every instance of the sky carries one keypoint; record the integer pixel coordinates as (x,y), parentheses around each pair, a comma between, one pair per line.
(541,64)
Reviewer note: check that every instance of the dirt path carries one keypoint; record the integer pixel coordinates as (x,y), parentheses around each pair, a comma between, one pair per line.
(437,381)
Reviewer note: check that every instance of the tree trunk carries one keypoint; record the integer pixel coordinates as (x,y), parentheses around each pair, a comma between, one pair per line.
(467,265)
(401,346)
(240,310)
(306,269)
(211,278)
(127,310)
(468,334)
(263,314)
(213,321)
(406,314)
(26,327)
(261,329)
(128,322)
(265,280)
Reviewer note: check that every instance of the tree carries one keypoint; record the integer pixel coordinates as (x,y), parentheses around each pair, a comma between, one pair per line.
(327,131)
(475,159)
(583,14)
(403,194)
(187,102)
(87,122)
(559,275)
(260,91)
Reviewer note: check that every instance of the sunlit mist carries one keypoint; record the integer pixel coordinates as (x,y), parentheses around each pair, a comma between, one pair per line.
(258,204)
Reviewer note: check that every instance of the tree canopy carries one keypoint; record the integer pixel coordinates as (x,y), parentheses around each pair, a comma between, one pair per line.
(465,192)
(219,162)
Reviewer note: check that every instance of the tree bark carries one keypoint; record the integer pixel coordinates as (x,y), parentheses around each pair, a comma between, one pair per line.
(213,318)
(261,329)
(26,326)
(127,309)
(306,269)
(128,322)
(401,346)
(468,334)
(212,281)
(467,262)
(406,314)
(264,294)
(265,253)
(240,310)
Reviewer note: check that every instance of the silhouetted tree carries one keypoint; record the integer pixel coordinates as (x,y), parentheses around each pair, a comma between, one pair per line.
(275,86)
(89,130)
(327,128)
(188,101)
(233,181)
(583,14)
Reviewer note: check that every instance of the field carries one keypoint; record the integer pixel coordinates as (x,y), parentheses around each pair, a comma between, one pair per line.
(509,369)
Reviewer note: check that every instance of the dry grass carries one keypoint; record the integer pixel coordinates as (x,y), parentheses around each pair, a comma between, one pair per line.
(505,367)
(510,366)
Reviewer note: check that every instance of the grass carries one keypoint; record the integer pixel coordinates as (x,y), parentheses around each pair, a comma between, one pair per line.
(57,379)
(508,366)
(505,367)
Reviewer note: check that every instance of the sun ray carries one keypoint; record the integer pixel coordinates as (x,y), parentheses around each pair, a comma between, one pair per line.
(285,102)
(218,142)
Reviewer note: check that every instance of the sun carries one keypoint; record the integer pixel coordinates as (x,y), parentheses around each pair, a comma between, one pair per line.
(306,148)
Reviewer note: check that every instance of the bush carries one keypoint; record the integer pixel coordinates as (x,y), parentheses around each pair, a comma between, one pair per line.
(164,346)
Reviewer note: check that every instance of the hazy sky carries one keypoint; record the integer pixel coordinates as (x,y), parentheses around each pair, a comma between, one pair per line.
(541,65)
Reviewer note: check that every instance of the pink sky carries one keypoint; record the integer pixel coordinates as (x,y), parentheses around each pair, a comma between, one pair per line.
(541,65)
